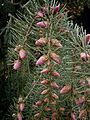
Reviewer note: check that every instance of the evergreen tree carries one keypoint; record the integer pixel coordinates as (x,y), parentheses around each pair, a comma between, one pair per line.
(48,64)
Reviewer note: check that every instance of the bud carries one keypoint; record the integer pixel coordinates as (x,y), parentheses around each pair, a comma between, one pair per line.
(17,64)
(37,115)
(46,119)
(18,47)
(54,102)
(62,5)
(55,57)
(20,99)
(43,24)
(19,116)
(73,117)
(44,9)
(44,82)
(82,82)
(48,62)
(82,114)
(22,54)
(41,41)
(88,80)
(55,74)
(21,106)
(63,30)
(65,89)
(62,109)
(45,71)
(53,118)
(54,85)
(55,96)
(77,68)
(41,33)
(54,114)
(38,103)
(44,92)
(56,9)
(46,100)
(39,14)
(88,39)
(13,115)
(47,109)
(84,56)
(56,43)
(42,60)
(80,100)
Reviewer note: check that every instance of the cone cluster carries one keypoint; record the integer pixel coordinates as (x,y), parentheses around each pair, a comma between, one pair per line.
(22,54)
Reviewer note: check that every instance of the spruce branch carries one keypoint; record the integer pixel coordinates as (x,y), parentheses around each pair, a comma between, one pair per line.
(56,86)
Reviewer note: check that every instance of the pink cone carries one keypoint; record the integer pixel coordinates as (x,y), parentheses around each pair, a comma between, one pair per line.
(17,64)
(41,60)
(82,114)
(47,109)
(37,115)
(54,114)
(43,24)
(41,41)
(56,43)
(38,103)
(39,14)
(62,5)
(44,9)
(84,56)
(80,100)
(88,81)
(55,57)
(21,106)
(44,82)
(45,71)
(54,118)
(87,39)
(82,82)
(56,9)
(55,74)
(46,100)
(44,92)
(65,89)
(54,85)
(54,102)
(19,116)
(55,96)
(73,117)
(62,109)
(22,54)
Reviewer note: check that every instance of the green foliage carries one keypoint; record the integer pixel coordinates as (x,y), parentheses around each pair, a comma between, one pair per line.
(25,82)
